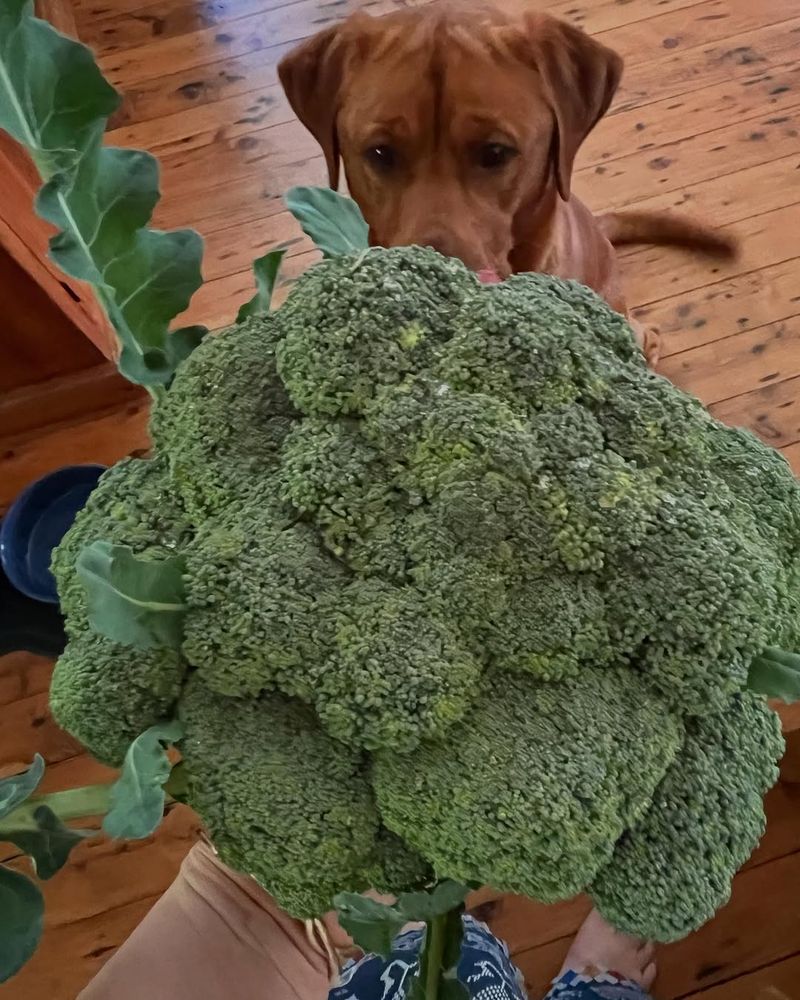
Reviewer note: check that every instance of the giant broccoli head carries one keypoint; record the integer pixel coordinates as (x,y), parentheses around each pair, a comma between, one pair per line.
(469,591)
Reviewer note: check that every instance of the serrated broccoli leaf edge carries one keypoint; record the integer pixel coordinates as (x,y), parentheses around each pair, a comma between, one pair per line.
(142,278)
(137,798)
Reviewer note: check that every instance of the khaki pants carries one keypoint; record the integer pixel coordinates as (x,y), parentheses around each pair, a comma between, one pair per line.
(216,935)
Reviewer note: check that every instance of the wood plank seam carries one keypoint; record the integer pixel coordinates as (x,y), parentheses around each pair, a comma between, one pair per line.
(638,254)
(256,167)
(656,148)
(790,27)
(784,260)
(766,155)
(698,995)
(231,16)
(117,135)
(150,13)
(737,333)
(301,246)
(107,62)
(688,201)
(251,171)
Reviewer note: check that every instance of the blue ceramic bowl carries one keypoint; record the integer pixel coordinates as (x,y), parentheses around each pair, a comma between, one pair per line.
(36,522)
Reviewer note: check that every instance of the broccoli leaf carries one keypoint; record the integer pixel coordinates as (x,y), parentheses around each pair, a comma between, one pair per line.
(144,277)
(100,205)
(427,906)
(18,787)
(54,100)
(266,270)
(47,841)
(152,283)
(333,222)
(372,925)
(137,602)
(34,828)
(51,91)
(21,918)
(776,674)
(137,798)
(21,903)
(181,343)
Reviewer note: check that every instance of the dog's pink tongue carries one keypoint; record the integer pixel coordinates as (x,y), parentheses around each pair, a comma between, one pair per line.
(487,276)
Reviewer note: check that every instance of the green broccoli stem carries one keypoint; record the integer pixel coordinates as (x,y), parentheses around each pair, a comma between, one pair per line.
(78,803)
(432,959)
(74,803)
(440,954)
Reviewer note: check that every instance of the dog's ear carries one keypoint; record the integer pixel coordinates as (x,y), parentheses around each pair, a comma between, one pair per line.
(311,75)
(580,77)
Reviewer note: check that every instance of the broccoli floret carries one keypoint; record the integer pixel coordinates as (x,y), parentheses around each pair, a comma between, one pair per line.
(696,591)
(473,592)
(644,420)
(132,504)
(531,792)
(282,801)
(510,346)
(398,868)
(102,692)
(766,490)
(550,625)
(106,694)
(223,421)
(283,585)
(518,434)
(328,471)
(397,674)
(672,870)
(352,325)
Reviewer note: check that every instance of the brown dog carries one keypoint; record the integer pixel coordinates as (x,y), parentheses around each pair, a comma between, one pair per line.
(458,127)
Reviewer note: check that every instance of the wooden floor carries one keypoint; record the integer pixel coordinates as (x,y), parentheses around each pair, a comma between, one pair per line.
(707,120)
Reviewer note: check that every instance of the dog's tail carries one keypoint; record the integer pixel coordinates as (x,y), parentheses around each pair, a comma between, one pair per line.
(665,229)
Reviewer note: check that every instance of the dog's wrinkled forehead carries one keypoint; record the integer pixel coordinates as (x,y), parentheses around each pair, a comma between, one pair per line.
(481,54)
(428,41)
(421,75)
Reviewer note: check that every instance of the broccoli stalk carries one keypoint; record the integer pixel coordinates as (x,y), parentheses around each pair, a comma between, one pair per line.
(440,955)
(373,926)
(67,805)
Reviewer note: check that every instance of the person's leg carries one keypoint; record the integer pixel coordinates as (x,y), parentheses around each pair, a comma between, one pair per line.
(603,962)
(216,934)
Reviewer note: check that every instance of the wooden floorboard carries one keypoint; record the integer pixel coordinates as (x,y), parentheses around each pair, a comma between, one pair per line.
(757,928)
(706,121)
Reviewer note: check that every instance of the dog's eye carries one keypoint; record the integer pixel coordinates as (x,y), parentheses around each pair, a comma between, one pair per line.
(381,157)
(492,155)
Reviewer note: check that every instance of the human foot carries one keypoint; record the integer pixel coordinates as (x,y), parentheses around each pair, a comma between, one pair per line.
(598,947)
